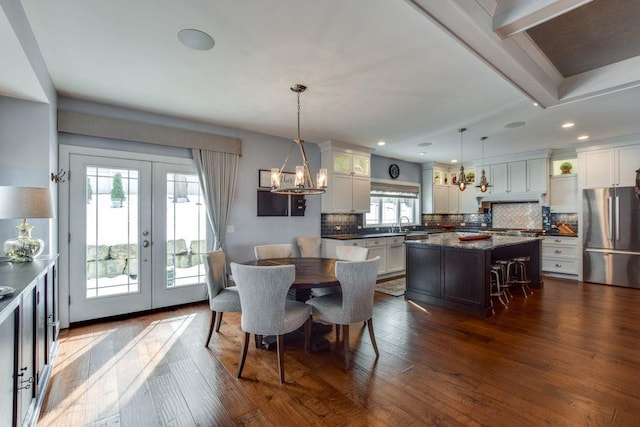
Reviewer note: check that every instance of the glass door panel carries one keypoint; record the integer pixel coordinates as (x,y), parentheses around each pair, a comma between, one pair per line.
(110,221)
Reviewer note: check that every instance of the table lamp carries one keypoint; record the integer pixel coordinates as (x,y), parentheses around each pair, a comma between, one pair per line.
(24,202)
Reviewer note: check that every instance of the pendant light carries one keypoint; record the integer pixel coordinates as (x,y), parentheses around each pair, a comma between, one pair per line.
(462,177)
(483,185)
(303,183)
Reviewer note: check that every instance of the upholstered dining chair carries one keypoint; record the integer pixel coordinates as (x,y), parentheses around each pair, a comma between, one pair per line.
(266,309)
(283,250)
(222,298)
(309,247)
(352,253)
(343,253)
(353,304)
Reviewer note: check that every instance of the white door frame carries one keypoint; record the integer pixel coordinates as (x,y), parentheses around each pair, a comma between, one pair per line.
(64,152)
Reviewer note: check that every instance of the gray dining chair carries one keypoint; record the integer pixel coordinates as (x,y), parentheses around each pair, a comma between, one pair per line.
(266,309)
(351,253)
(309,247)
(283,250)
(343,253)
(222,298)
(353,304)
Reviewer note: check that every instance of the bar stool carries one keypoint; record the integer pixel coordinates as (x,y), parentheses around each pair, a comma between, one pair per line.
(496,289)
(504,282)
(519,274)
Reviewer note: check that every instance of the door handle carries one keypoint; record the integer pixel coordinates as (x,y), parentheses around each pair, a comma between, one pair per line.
(617,218)
(145,243)
(610,218)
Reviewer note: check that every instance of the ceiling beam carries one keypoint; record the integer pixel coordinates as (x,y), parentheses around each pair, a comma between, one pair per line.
(514,16)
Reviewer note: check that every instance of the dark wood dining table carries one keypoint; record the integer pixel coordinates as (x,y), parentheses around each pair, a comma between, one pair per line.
(310,273)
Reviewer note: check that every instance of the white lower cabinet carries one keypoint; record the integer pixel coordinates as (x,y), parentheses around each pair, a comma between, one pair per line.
(378,247)
(395,254)
(389,249)
(560,256)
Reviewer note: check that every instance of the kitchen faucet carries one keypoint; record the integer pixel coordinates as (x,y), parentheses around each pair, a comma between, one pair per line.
(400,223)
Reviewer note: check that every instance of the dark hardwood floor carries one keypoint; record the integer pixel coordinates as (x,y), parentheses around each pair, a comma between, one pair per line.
(567,355)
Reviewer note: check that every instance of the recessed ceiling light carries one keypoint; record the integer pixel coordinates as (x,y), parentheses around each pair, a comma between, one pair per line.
(454,160)
(381,142)
(583,137)
(425,144)
(195,39)
(514,125)
(535,104)
(422,153)
(567,125)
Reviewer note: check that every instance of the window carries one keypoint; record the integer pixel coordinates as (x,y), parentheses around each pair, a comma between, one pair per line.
(393,204)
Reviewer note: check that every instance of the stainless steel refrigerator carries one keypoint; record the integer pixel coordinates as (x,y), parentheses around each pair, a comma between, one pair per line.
(611,234)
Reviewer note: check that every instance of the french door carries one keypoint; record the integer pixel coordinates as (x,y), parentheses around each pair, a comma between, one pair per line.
(137,236)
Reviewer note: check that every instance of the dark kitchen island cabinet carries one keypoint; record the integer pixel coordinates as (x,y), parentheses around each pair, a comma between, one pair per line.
(444,271)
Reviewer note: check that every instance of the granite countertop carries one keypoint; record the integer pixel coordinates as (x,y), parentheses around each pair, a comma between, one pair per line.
(362,236)
(452,240)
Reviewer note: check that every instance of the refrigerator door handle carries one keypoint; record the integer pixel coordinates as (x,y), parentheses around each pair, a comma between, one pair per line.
(617,218)
(610,218)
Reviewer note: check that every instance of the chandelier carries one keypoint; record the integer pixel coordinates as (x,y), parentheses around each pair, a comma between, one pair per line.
(483,185)
(462,177)
(303,183)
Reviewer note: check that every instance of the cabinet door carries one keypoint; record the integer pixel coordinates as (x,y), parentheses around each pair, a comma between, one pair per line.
(361,189)
(53,315)
(563,194)
(341,163)
(26,379)
(341,193)
(42,356)
(8,358)
(361,165)
(596,168)
(537,172)
(395,256)
(628,159)
(467,200)
(517,172)
(499,178)
(380,251)
(440,199)
(453,203)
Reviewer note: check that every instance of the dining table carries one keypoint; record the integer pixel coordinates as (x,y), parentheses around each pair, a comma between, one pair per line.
(310,273)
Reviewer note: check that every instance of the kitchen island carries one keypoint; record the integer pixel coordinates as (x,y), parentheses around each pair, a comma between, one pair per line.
(444,271)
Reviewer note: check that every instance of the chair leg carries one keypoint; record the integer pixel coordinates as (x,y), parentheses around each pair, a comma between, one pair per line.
(345,338)
(307,335)
(218,322)
(213,320)
(258,340)
(280,347)
(338,334)
(373,338)
(243,353)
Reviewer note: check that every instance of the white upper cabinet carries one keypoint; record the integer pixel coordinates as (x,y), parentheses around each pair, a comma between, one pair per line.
(608,167)
(349,182)
(537,175)
(517,177)
(499,179)
(563,193)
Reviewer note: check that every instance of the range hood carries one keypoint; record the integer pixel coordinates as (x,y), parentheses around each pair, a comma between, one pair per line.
(512,197)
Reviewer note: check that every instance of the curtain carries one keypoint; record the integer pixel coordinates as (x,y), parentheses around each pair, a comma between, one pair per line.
(217,173)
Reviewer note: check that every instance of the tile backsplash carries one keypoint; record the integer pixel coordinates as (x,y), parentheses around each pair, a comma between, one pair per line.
(516,215)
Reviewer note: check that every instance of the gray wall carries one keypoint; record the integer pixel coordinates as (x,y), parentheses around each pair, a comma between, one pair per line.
(259,152)
(409,172)
(28,134)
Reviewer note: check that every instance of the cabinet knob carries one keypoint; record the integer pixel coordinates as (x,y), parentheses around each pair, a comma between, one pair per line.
(558,251)
(558,265)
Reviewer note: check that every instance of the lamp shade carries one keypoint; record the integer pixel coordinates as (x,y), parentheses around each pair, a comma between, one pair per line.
(25,202)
